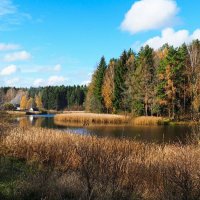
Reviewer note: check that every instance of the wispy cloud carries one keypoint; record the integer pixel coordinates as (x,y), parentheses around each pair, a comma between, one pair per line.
(11,69)
(40,68)
(52,80)
(8,47)
(12,82)
(57,68)
(17,56)
(10,15)
(7,8)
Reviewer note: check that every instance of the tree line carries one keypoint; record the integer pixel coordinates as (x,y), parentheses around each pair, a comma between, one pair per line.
(51,97)
(164,82)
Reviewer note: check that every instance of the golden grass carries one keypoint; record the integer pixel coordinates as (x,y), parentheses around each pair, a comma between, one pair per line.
(16,112)
(90,118)
(113,168)
(143,120)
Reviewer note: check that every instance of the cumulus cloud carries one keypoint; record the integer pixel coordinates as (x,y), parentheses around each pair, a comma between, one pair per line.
(17,56)
(11,69)
(173,38)
(149,15)
(52,80)
(7,47)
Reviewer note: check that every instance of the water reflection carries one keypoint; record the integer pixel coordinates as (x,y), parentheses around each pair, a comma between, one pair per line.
(146,133)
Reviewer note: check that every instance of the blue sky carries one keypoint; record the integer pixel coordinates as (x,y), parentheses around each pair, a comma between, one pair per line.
(55,42)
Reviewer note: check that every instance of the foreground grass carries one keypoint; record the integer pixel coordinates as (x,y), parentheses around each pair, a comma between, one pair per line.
(86,167)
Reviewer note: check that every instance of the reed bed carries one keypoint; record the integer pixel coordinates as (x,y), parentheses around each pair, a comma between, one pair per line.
(90,118)
(143,120)
(88,167)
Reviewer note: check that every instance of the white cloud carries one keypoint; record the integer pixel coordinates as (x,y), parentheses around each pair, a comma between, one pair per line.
(87,82)
(6,7)
(12,82)
(39,82)
(52,80)
(56,80)
(7,47)
(10,15)
(173,38)
(11,69)
(149,15)
(17,56)
(57,68)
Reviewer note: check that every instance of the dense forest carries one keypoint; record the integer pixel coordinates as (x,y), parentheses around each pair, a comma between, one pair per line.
(51,97)
(164,82)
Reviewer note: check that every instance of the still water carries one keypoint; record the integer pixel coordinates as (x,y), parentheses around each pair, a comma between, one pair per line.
(159,134)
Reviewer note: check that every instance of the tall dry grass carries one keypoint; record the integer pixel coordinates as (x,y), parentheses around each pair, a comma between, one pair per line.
(103,168)
(90,118)
(144,120)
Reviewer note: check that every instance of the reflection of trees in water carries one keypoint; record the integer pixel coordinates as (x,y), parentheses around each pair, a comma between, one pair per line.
(24,122)
(31,121)
(39,122)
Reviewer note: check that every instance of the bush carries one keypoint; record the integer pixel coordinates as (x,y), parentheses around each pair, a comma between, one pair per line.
(8,106)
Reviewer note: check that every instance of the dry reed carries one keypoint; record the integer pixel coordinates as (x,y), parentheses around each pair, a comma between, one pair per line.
(90,118)
(147,120)
(103,168)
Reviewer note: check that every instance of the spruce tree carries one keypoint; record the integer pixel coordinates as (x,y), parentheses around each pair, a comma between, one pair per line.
(121,70)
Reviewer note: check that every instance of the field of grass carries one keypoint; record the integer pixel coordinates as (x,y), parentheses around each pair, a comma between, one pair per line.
(86,167)
(90,118)
(143,120)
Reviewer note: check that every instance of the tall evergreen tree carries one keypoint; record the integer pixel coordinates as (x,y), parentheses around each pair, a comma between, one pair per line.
(94,100)
(121,70)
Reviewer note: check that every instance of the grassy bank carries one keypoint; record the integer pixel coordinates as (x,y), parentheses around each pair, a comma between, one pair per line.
(85,167)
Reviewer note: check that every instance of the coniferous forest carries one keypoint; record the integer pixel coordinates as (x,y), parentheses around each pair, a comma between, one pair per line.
(50,98)
(162,82)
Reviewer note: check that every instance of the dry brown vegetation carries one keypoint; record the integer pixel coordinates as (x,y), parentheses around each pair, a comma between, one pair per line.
(143,120)
(88,167)
(90,118)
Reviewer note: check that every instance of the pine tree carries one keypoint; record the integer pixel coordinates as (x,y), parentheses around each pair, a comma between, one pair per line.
(121,70)
(94,100)
(100,72)
(142,82)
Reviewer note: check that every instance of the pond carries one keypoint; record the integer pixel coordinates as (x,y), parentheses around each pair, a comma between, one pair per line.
(158,134)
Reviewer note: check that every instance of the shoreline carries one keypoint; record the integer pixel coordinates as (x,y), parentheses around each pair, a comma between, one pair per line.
(76,118)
